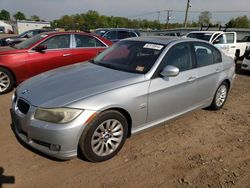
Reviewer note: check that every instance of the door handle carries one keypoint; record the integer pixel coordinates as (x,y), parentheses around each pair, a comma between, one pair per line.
(192,78)
(233,46)
(65,55)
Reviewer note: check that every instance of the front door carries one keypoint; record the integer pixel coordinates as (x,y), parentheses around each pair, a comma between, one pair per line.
(58,54)
(172,96)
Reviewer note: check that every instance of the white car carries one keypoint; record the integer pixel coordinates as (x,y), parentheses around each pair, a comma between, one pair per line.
(246,62)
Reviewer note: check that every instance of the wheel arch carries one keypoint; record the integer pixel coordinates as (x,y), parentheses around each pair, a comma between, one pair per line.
(228,83)
(126,115)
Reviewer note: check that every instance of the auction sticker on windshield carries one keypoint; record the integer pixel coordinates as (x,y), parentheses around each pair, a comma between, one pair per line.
(153,46)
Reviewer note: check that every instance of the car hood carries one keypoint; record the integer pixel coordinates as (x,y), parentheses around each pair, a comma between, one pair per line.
(10,50)
(66,85)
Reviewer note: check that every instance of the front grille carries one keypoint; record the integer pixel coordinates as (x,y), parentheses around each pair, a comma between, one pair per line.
(23,106)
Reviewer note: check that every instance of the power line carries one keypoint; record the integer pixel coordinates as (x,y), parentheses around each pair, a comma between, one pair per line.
(193,11)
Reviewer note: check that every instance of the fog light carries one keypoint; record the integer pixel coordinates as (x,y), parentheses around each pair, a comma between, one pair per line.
(55,147)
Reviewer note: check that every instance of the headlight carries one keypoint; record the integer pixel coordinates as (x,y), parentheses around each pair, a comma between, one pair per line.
(57,115)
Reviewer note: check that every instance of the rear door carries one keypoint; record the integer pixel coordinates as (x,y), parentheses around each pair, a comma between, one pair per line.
(171,96)
(208,66)
(86,47)
(58,53)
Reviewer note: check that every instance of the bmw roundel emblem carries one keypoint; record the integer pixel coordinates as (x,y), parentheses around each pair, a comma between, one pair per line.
(25,91)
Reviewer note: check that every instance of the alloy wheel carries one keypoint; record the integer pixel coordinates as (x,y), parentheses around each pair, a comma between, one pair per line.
(4,81)
(107,137)
(221,95)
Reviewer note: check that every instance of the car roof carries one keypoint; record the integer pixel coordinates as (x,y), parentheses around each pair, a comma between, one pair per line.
(164,40)
(66,32)
(116,29)
(207,32)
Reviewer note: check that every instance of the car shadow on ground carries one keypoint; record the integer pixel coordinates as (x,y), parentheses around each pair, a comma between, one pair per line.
(5,179)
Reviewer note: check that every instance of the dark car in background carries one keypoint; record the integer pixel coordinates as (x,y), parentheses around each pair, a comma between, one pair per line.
(23,36)
(116,34)
(44,52)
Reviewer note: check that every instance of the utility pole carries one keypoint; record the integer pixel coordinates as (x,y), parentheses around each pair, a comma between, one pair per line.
(168,18)
(186,15)
(159,14)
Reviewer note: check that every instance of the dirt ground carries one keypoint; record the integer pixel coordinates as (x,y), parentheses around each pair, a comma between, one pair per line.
(200,149)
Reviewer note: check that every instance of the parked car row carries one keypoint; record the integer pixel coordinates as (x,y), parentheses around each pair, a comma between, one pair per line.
(226,41)
(116,34)
(92,107)
(7,41)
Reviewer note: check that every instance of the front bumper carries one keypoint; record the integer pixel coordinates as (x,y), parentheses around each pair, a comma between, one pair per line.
(56,140)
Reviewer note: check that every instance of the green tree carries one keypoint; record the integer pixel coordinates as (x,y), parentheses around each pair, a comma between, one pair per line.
(35,18)
(205,18)
(4,15)
(19,16)
(239,22)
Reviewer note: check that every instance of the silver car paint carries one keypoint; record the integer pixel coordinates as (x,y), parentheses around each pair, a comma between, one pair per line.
(148,101)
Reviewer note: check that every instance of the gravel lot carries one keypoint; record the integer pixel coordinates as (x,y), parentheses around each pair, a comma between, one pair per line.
(200,149)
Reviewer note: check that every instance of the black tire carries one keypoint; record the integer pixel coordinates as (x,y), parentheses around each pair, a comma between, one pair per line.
(86,137)
(214,105)
(10,79)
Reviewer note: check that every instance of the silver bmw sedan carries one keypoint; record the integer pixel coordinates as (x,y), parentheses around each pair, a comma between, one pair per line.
(133,85)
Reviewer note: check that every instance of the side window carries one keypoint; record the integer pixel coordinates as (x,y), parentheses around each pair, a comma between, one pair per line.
(179,56)
(84,41)
(204,54)
(58,41)
(230,38)
(132,34)
(35,32)
(111,35)
(122,34)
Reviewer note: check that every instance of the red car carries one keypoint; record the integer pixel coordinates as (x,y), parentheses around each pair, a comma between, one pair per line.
(44,52)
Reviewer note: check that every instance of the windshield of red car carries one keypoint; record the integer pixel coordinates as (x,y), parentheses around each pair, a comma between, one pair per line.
(130,56)
(29,42)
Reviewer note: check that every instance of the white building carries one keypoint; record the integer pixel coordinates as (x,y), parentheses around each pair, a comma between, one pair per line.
(23,25)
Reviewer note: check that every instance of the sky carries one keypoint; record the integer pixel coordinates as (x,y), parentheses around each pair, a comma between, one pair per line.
(135,9)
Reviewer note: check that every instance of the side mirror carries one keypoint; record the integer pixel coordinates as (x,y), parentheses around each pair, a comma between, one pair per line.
(170,71)
(40,48)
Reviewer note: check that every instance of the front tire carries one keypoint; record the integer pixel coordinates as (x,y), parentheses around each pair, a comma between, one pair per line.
(220,97)
(104,137)
(6,81)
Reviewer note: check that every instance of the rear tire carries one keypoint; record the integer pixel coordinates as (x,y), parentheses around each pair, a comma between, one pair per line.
(220,97)
(104,137)
(6,81)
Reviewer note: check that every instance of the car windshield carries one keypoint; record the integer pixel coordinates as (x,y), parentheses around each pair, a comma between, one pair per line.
(130,56)
(201,36)
(29,42)
(23,34)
